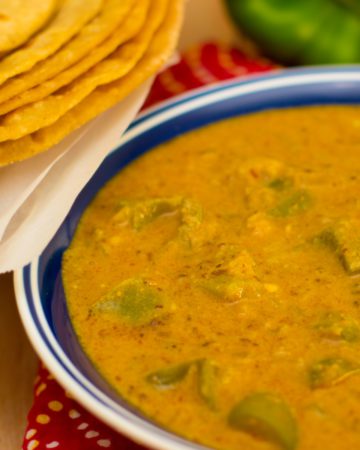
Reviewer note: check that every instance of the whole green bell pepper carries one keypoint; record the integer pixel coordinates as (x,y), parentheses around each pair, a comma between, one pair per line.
(302,31)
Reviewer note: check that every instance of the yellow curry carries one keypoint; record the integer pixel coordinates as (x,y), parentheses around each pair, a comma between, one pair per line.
(214,282)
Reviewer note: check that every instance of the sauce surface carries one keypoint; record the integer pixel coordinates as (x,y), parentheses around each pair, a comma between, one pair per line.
(213,282)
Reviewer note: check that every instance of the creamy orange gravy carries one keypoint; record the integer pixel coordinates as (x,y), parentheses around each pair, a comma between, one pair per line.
(213,282)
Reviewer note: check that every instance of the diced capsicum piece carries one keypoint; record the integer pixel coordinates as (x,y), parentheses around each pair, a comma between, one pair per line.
(147,211)
(206,373)
(331,371)
(348,236)
(134,300)
(267,417)
(229,288)
(296,203)
(169,376)
(207,381)
(327,238)
(281,183)
(336,326)
(224,287)
(140,213)
(344,240)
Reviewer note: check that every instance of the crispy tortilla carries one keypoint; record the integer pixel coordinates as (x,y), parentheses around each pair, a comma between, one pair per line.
(70,19)
(103,97)
(30,118)
(16,28)
(79,50)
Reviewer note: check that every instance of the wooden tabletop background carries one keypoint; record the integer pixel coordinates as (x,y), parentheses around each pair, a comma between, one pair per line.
(18,365)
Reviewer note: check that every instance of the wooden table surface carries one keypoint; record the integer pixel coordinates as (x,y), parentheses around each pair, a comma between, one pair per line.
(18,365)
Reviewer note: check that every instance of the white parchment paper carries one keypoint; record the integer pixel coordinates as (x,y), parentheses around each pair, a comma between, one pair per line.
(36,194)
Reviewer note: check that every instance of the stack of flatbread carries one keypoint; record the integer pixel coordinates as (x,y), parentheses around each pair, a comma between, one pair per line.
(63,62)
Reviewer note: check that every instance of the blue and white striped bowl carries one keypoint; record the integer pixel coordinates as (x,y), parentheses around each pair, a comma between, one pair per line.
(39,289)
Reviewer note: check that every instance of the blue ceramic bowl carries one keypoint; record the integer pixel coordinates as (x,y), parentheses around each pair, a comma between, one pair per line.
(39,289)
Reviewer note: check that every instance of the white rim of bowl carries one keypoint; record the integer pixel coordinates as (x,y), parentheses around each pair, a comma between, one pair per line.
(136,428)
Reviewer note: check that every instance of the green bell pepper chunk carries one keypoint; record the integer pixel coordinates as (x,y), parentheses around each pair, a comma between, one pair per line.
(169,376)
(147,211)
(266,417)
(328,239)
(206,374)
(229,288)
(348,237)
(140,213)
(281,183)
(207,382)
(338,327)
(344,240)
(302,31)
(224,287)
(330,371)
(133,300)
(295,203)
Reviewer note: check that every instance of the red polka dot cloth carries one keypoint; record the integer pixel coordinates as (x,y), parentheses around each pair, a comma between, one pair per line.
(56,421)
